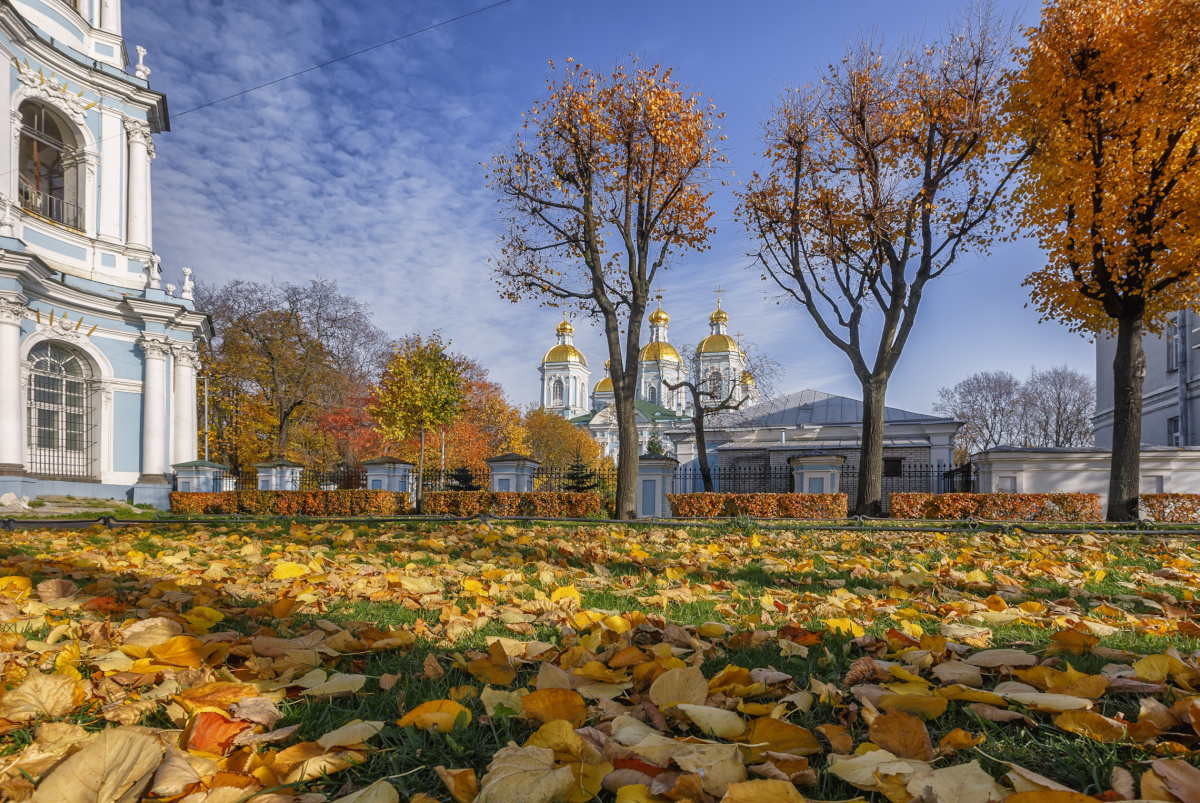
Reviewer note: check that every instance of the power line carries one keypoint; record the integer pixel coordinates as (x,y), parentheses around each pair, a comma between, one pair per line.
(343,58)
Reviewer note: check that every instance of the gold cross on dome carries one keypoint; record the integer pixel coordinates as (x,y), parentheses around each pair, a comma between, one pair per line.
(659,296)
(718,291)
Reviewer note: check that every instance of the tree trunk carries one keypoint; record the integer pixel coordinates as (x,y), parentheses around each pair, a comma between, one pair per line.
(629,450)
(702,449)
(870,460)
(420,488)
(1129,373)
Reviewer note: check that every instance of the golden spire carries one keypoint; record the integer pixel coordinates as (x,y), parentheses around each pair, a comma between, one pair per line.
(658,316)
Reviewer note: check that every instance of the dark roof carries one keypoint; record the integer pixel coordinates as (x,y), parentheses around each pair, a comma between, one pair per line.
(385,461)
(278,463)
(511,456)
(201,464)
(1146,447)
(815,407)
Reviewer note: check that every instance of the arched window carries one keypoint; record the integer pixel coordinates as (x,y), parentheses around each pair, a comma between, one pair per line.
(715,384)
(61,438)
(557,393)
(652,395)
(47,181)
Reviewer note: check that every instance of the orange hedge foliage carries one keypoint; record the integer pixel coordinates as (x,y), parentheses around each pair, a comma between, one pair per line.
(1177,508)
(557,505)
(997,507)
(292,503)
(759,506)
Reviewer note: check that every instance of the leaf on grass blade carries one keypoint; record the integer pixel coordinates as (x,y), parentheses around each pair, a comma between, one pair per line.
(994,714)
(353,732)
(115,766)
(839,738)
(845,627)
(433,670)
(286,570)
(995,658)
(54,590)
(339,685)
(379,792)
(766,734)
(919,705)
(767,791)
(439,715)
(1024,780)
(1122,783)
(675,686)
(903,735)
(462,784)
(568,746)
(961,783)
(1096,726)
(1071,641)
(1040,701)
(41,696)
(958,672)
(959,739)
(547,705)
(569,593)
(511,700)
(861,771)
(714,722)
(494,668)
(525,775)
(1180,777)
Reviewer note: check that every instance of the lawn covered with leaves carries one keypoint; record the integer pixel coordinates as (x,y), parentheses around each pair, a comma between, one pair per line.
(291,663)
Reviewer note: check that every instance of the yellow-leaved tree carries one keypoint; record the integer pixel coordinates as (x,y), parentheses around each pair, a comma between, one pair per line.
(605,185)
(1108,96)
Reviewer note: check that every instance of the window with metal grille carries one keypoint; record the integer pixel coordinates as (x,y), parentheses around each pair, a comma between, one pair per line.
(893,466)
(61,442)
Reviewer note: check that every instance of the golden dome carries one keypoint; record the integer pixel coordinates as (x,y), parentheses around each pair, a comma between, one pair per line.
(659,317)
(717,344)
(659,352)
(719,316)
(604,385)
(565,328)
(747,378)
(564,353)
(606,364)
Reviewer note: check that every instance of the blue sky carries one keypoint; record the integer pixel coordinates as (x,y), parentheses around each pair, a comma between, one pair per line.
(368,171)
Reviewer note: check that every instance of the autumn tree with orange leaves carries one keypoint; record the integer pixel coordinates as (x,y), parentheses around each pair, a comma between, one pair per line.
(877,180)
(1109,97)
(607,183)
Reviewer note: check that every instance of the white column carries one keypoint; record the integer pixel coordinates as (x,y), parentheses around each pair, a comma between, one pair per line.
(150,154)
(12,458)
(139,181)
(183,409)
(154,410)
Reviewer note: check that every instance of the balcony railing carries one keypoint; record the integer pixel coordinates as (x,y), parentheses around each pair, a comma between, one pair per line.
(47,206)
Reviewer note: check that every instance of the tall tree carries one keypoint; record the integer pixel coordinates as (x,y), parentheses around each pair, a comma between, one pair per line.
(989,404)
(282,354)
(721,396)
(877,181)
(1057,405)
(421,390)
(1109,96)
(555,442)
(606,184)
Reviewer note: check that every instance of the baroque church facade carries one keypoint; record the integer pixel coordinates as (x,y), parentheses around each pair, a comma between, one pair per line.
(98,357)
(718,361)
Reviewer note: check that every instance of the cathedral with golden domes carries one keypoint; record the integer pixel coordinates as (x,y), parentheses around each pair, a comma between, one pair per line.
(718,361)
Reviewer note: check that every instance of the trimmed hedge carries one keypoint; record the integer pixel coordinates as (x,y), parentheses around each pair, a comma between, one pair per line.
(997,506)
(759,506)
(1175,508)
(349,502)
(551,504)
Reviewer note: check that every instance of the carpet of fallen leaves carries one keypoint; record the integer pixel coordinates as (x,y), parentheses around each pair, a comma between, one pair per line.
(467,662)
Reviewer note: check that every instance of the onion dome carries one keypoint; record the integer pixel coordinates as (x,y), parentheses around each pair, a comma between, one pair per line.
(718,344)
(659,317)
(659,352)
(747,378)
(719,316)
(604,385)
(565,328)
(564,352)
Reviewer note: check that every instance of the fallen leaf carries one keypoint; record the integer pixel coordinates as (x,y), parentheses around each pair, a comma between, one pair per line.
(682,685)
(439,715)
(519,774)
(353,732)
(714,722)
(462,784)
(547,705)
(765,791)
(903,735)
(116,765)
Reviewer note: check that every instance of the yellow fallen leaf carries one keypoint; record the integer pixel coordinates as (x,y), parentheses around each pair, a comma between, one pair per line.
(714,722)
(547,705)
(286,570)
(925,707)
(845,627)
(436,715)
(763,791)
(462,784)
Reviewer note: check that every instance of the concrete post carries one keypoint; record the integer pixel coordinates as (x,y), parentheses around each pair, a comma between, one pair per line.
(388,474)
(512,472)
(655,480)
(198,476)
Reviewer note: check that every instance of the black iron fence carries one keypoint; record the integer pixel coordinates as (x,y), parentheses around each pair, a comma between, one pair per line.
(311,479)
(902,478)
(602,481)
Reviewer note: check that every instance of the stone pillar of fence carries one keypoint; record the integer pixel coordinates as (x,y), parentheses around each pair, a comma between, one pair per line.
(816,473)
(198,476)
(279,475)
(655,475)
(388,474)
(512,472)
